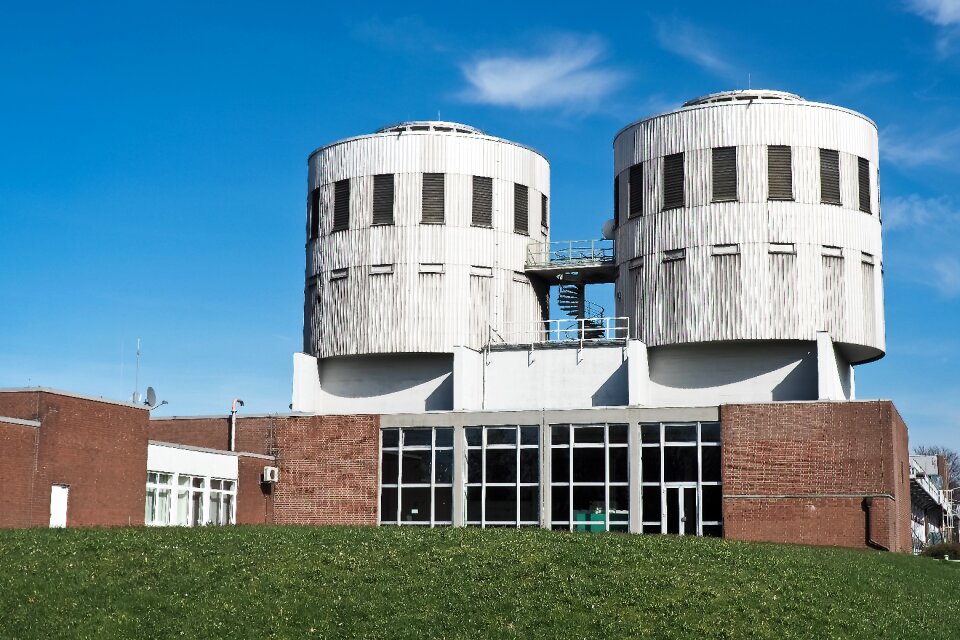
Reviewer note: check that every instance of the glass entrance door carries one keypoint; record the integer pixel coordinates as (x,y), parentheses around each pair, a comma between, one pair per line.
(680,516)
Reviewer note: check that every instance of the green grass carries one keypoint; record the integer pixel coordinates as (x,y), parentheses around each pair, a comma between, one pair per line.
(293,582)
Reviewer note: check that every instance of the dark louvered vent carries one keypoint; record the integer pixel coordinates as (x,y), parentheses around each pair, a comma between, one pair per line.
(432,198)
(521,204)
(635,184)
(779,173)
(673,181)
(616,201)
(544,211)
(863,180)
(725,174)
(313,214)
(829,176)
(482,202)
(383,199)
(341,205)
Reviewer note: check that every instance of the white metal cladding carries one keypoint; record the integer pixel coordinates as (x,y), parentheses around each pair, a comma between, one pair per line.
(449,281)
(755,294)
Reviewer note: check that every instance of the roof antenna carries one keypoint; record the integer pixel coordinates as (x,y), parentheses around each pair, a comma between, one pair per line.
(438,114)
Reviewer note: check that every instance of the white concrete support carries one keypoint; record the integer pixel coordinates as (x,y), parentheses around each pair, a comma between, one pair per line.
(638,372)
(306,384)
(834,373)
(467,379)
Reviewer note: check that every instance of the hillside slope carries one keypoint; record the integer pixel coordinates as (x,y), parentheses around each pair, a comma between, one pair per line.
(292,582)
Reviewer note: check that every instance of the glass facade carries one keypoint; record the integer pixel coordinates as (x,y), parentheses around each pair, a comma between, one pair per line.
(416,476)
(197,501)
(650,477)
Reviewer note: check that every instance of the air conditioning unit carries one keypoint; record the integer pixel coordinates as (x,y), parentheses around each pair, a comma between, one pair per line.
(270,475)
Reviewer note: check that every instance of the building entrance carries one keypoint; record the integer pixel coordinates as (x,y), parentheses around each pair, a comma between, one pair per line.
(681,515)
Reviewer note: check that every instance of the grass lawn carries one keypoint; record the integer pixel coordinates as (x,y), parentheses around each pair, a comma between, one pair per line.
(335,582)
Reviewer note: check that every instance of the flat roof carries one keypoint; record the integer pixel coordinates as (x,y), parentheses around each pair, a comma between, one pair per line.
(71,394)
(26,423)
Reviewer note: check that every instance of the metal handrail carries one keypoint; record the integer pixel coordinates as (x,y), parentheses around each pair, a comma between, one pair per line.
(570,252)
(572,330)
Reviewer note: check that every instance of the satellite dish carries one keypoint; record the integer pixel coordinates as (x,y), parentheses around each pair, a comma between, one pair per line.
(607,230)
(151,397)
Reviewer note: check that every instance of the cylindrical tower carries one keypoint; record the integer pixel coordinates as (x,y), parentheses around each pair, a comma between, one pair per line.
(750,217)
(417,237)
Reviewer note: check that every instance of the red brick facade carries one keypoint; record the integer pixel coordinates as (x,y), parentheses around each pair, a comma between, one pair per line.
(328,464)
(97,448)
(799,472)
(18,458)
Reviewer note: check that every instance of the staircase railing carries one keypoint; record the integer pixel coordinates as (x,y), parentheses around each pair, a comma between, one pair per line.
(582,331)
(570,252)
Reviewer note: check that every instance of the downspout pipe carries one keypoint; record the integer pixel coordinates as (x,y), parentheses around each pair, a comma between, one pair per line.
(233,423)
(868,510)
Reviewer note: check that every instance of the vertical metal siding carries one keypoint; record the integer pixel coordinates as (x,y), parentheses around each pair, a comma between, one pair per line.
(755,295)
(407,311)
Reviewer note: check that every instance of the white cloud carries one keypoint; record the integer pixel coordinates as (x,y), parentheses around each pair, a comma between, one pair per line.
(947,273)
(921,148)
(692,43)
(567,75)
(939,12)
(901,212)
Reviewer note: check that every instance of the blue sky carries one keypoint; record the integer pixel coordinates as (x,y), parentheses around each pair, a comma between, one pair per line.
(153,174)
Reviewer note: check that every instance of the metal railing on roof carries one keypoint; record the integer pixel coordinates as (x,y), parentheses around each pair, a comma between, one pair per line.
(571,331)
(570,253)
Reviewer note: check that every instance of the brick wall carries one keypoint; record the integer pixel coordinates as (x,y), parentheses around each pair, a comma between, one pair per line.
(18,450)
(798,472)
(328,470)
(97,448)
(328,464)
(254,500)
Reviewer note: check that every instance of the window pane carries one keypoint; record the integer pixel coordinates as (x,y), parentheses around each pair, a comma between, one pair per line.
(474,503)
(529,465)
(680,464)
(650,433)
(390,467)
(184,481)
(183,508)
(501,504)
(473,435)
(591,435)
(651,504)
(502,436)
(415,504)
(213,517)
(530,435)
(588,465)
(388,505)
(712,504)
(589,509)
(652,528)
(198,483)
(215,484)
(680,433)
(617,434)
(713,531)
(416,467)
(474,466)
(560,504)
(560,465)
(502,465)
(196,509)
(416,437)
(650,462)
(443,505)
(152,477)
(710,432)
(619,508)
(227,509)
(711,464)
(560,434)
(444,437)
(391,437)
(150,505)
(444,470)
(618,465)
(530,503)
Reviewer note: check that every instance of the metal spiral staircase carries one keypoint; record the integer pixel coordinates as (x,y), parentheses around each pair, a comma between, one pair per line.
(571,301)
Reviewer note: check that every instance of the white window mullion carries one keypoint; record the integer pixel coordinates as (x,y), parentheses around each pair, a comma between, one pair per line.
(433,475)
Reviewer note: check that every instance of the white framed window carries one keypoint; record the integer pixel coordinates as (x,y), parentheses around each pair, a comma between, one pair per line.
(680,478)
(416,476)
(590,483)
(159,504)
(503,476)
(189,500)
